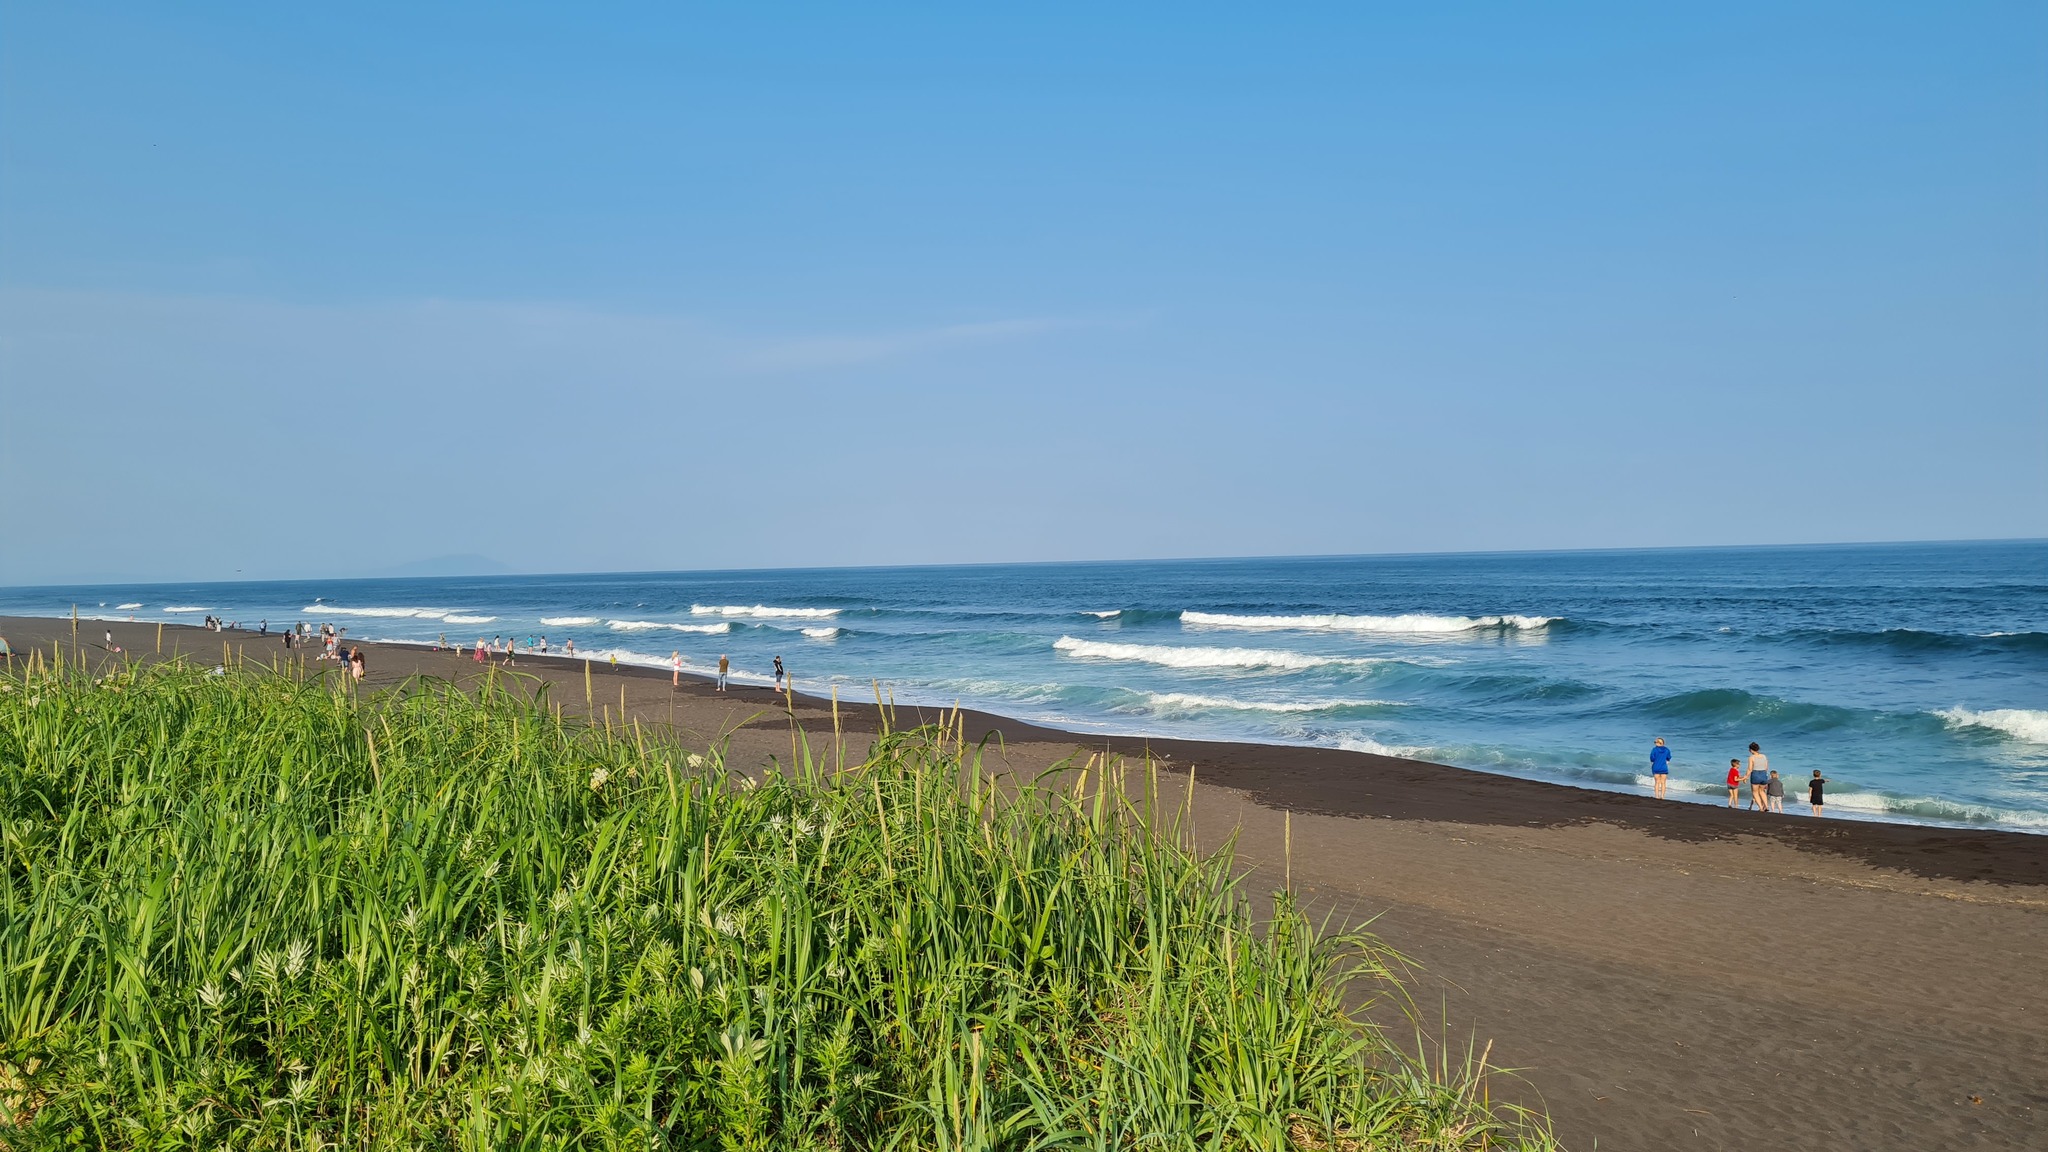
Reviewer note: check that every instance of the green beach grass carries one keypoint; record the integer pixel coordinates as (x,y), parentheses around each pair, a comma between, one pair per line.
(248,909)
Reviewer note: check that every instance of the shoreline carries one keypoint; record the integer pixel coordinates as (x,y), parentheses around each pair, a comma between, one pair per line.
(1354,783)
(1653,973)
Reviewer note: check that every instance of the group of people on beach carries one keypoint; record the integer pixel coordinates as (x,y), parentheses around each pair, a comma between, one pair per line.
(1766,790)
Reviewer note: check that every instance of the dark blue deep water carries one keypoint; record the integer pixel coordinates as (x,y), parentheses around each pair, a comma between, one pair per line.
(1914,676)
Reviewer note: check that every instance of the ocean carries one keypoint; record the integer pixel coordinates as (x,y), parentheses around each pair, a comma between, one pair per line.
(1913,676)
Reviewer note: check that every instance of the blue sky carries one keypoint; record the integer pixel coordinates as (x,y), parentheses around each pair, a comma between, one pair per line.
(288,292)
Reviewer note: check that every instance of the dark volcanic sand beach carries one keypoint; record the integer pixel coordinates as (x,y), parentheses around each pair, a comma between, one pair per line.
(1662,975)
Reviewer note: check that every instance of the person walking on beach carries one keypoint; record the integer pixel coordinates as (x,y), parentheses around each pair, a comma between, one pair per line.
(1734,780)
(724,666)
(1813,790)
(1759,779)
(479,657)
(675,675)
(1660,767)
(1775,792)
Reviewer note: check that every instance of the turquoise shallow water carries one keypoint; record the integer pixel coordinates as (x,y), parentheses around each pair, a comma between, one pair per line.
(1914,676)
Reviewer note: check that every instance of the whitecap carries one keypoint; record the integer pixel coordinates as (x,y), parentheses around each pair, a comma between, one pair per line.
(1176,657)
(126,607)
(763,611)
(2030,725)
(382,613)
(1109,615)
(186,608)
(567,621)
(451,618)
(649,625)
(822,633)
(1412,624)
(1181,700)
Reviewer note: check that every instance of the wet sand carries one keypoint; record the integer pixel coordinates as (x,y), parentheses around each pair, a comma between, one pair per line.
(1660,975)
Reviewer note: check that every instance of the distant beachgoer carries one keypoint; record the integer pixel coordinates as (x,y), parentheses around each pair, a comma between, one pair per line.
(1759,779)
(1734,780)
(1660,767)
(1775,791)
(286,639)
(6,651)
(569,646)
(543,643)
(778,673)
(357,664)
(675,676)
(479,657)
(1813,790)
(110,639)
(724,666)
(263,627)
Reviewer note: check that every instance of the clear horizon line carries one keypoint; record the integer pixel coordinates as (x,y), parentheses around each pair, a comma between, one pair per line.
(516,573)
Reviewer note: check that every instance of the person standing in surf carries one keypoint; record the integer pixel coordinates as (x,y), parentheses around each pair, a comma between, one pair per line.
(1813,791)
(675,676)
(1734,780)
(1775,792)
(724,666)
(1660,767)
(1759,779)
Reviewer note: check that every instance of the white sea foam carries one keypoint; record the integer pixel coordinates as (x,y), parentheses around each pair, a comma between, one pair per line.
(1175,657)
(1109,615)
(1399,625)
(383,613)
(1172,700)
(650,625)
(127,607)
(452,618)
(1915,808)
(1368,744)
(763,612)
(2030,725)
(822,633)
(186,608)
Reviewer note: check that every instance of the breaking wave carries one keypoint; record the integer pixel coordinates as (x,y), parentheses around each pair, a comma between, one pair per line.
(763,612)
(1412,624)
(2028,724)
(567,621)
(321,608)
(652,625)
(1190,701)
(451,618)
(186,608)
(822,633)
(1177,657)
(127,607)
